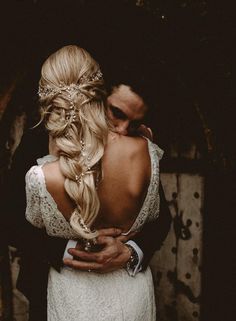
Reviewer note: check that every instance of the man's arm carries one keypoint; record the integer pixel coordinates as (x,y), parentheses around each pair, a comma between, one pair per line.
(153,234)
(115,254)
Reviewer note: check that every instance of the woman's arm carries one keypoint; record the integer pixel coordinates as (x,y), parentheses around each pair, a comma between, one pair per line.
(15,230)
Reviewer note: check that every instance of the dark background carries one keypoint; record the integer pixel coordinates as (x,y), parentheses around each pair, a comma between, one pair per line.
(180,55)
(179,52)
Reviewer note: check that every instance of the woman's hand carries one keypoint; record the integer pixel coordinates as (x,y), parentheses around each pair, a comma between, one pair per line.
(113,256)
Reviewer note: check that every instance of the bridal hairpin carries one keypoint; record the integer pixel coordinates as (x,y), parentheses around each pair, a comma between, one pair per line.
(72,89)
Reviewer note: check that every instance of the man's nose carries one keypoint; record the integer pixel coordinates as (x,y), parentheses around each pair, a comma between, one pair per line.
(122,127)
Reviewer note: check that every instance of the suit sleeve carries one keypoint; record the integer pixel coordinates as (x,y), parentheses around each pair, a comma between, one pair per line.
(153,234)
(15,229)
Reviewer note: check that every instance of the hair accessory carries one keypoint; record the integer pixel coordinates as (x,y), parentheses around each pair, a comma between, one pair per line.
(76,216)
(68,136)
(47,91)
(94,77)
(71,114)
(78,178)
(89,244)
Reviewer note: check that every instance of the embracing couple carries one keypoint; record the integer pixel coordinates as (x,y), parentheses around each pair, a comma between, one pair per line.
(95,208)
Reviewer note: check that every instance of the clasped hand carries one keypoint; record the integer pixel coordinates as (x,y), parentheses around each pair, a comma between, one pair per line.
(113,256)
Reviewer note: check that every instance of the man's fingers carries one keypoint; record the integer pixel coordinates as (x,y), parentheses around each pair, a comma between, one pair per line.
(86,256)
(106,240)
(84,266)
(111,264)
(91,267)
(125,238)
(98,257)
(114,232)
(145,131)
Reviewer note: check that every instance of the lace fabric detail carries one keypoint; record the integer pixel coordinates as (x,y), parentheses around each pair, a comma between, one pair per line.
(41,209)
(46,159)
(89,296)
(33,198)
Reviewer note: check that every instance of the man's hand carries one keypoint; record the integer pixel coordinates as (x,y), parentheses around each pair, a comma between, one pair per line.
(113,256)
(145,131)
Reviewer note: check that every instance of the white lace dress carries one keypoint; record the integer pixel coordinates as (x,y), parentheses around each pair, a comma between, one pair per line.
(87,296)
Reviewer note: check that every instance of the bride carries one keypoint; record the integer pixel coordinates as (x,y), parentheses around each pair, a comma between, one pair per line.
(97,178)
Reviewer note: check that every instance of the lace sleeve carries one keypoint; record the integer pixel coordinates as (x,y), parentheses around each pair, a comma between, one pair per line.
(33,195)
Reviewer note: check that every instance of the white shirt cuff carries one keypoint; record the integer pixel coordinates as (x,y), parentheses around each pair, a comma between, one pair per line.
(138,267)
(70,245)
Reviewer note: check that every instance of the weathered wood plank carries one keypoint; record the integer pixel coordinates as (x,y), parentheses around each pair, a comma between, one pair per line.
(189,251)
(176,267)
(20,303)
(164,261)
(6,311)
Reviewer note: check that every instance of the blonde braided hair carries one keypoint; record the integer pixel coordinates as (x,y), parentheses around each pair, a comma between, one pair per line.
(72,106)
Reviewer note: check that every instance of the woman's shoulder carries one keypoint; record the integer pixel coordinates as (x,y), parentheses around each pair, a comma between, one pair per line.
(52,172)
(130,145)
(33,177)
(36,173)
(129,154)
(47,163)
(142,146)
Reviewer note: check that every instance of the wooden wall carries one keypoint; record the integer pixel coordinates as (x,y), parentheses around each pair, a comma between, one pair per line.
(177,266)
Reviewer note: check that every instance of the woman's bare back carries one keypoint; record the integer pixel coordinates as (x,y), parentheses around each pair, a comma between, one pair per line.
(126,166)
(126,175)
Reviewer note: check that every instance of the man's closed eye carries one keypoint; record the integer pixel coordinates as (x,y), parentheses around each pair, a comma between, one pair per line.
(117,113)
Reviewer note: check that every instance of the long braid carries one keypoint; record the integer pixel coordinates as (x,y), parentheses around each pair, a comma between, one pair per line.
(72,103)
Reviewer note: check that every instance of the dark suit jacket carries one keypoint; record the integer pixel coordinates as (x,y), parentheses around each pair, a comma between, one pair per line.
(40,251)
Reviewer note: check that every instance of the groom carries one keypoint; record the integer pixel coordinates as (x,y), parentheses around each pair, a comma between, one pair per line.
(126,110)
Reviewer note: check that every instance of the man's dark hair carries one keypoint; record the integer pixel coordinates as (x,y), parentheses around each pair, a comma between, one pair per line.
(150,81)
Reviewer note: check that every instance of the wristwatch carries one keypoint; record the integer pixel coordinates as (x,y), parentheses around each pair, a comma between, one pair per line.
(133,260)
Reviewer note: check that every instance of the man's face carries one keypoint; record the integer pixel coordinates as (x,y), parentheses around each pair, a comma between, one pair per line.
(125,110)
